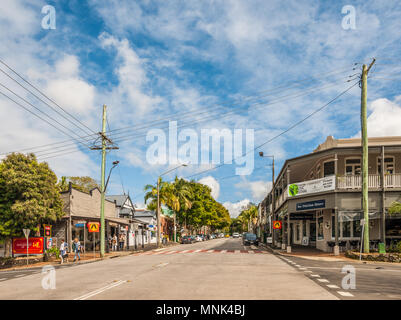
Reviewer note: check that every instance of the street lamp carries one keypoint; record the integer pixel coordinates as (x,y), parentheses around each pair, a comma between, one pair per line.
(115,163)
(158,202)
(273,195)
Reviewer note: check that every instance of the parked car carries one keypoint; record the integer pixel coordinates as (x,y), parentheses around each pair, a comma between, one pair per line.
(198,238)
(227,235)
(235,235)
(250,238)
(187,239)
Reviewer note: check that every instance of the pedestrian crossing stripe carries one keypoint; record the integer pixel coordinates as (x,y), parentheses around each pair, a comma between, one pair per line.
(201,251)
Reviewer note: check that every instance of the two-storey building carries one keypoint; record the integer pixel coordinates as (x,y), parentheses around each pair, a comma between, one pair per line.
(317,196)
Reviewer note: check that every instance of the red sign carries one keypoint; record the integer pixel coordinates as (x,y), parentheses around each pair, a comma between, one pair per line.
(276,224)
(35,245)
(48,230)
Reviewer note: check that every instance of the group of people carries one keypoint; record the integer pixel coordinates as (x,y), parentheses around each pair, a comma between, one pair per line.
(115,242)
(76,249)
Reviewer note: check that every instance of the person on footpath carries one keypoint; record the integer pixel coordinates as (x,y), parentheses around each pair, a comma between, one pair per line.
(114,243)
(121,241)
(76,248)
(63,251)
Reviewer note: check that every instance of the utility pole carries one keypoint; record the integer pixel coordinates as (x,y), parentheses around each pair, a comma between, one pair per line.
(158,213)
(365,154)
(107,144)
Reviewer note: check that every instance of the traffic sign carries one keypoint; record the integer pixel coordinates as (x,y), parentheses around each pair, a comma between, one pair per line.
(93,226)
(277,224)
(26,232)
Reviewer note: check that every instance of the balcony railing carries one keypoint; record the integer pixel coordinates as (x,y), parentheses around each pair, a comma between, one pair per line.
(355,181)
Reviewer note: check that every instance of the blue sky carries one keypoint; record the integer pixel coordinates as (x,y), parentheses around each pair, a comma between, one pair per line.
(148,60)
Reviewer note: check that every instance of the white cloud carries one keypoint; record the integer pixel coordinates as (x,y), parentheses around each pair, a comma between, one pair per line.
(384,119)
(213,184)
(259,188)
(235,208)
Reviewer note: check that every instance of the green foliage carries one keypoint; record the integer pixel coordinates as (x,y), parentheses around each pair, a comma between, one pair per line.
(29,195)
(395,208)
(53,251)
(84,184)
(192,202)
(395,247)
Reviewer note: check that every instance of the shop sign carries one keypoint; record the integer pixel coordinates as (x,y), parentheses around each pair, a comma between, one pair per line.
(310,205)
(312,186)
(49,242)
(35,245)
(301,216)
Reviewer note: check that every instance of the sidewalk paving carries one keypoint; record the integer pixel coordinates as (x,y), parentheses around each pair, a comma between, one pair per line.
(89,257)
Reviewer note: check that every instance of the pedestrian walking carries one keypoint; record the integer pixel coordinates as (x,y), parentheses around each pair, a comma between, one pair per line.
(63,251)
(121,241)
(114,242)
(76,248)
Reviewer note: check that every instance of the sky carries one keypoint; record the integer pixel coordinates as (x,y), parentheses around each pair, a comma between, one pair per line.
(248,65)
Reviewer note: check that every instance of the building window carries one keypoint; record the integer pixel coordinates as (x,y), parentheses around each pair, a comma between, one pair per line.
(353,166)
(320,235)
(356,228)
(328,168)
(388,165)
(346,229)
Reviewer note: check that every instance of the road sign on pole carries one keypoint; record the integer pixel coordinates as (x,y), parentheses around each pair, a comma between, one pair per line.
(277,224)
(26,233)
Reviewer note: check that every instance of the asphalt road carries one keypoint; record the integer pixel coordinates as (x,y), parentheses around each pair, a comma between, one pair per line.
(372,280)
(214,269)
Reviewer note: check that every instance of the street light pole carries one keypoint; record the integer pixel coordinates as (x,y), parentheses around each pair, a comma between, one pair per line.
(273,214)
(158,202)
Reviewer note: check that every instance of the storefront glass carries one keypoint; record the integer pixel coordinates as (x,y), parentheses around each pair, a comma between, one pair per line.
(320,235)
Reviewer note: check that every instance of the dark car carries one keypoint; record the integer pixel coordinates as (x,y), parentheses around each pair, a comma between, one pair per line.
(250,238)
(187,239)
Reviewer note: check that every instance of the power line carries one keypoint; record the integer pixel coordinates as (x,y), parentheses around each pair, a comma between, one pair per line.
(44,95)
(22,106)
(160,120)
(130,137)
(283,132)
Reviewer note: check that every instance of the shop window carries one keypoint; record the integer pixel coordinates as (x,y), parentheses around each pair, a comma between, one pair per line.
(388,165)
(346,229)
(333,226)
(328,168)
(356,228)
(304,229)
(320,235)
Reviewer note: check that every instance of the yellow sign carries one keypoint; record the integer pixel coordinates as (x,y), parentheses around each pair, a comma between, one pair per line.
(276,224)
(93,226)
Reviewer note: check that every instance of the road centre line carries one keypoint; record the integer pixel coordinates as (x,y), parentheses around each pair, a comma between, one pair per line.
(345,294)
(95,292)
(323,280)
(333,286)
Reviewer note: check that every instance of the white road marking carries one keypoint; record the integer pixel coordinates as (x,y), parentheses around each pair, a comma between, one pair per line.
(185,251)
(223,251)
(297,265)
(345,294)
(333,286)
(162,265)
(210,251)
(20,275)
(237,251)
(170,252)
(315,275)
(251,251)
(308,271)
(302,268)
(93,293)
(323,280)
(197,250)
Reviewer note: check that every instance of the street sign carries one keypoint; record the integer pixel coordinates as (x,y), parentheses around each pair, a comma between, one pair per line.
(277,224)
(93,226)
(26,232)
(49,243)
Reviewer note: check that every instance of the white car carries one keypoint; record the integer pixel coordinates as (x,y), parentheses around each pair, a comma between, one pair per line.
(235,235)
(197,238)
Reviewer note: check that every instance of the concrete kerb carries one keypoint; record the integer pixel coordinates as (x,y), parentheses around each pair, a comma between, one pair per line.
(57,264)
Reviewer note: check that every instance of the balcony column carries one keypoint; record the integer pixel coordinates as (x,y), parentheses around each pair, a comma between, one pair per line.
(336,246)
(288,217)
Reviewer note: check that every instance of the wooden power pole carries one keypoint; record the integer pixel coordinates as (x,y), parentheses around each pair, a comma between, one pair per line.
(365,154)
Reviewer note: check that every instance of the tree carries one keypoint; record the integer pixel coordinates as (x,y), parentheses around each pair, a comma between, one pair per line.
(84,184)
(395,208)
(29,195)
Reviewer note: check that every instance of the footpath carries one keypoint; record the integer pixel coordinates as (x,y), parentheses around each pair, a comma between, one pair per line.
(87,257)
